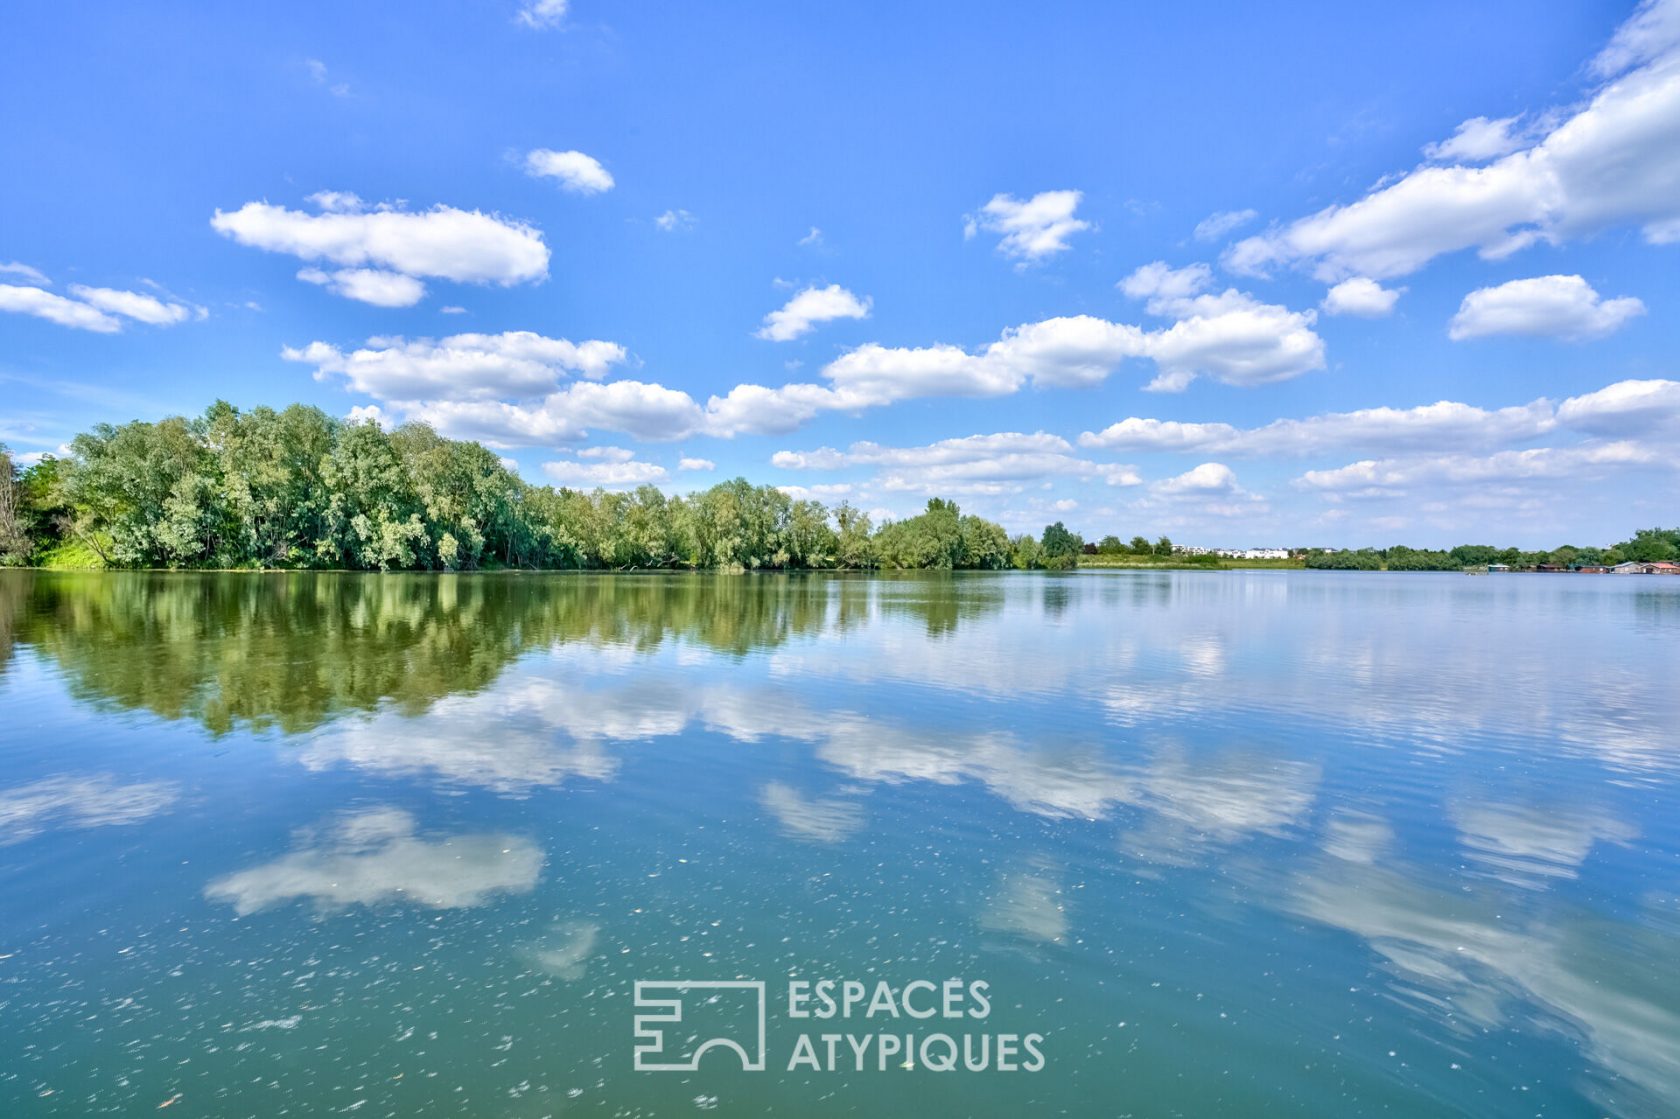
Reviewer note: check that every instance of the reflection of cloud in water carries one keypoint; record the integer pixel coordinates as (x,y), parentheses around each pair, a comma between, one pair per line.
(374,856)
(1465,957)
(1365,658)
(1357,837)
(502,739)
(1195,802)
(1028,904)
(1523,843)
(1044,782)
(1200,804)
(1130,704)
(993,658)
(1233,796)
(92,801)
(1629,719)
(564,950)
(1604,713)
(826,819)
(532,731)
(1204,657)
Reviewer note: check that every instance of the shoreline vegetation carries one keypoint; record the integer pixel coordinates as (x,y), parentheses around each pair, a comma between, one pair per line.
(296,489)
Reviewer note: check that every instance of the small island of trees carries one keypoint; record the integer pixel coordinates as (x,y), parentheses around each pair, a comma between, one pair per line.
(297,488)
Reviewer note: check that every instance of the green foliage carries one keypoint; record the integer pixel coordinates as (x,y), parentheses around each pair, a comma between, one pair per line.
(1650,545)
(1024,552)
(15,541)
(68,554)
(1363,560)
(1647,545)
(942,538)
(855,546)
(1474,555)
(1409,559)
(1058,548)
(296,488)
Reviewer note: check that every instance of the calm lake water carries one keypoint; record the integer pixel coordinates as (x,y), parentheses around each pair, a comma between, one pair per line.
(1244,844)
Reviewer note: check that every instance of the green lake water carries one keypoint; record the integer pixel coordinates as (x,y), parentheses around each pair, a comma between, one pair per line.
(1228,844)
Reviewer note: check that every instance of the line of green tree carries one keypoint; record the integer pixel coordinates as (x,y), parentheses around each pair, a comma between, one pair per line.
(1646,546)
(1139,546)
(297,488)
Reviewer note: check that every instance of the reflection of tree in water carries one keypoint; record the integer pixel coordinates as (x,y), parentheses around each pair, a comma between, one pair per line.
(14,591)
(1057,594)
(1656,608)
(940,600)
(291,649)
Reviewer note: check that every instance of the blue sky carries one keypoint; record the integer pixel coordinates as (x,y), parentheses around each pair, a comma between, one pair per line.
(1234,273)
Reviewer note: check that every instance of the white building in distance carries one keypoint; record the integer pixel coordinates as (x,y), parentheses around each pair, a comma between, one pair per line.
(1231,553)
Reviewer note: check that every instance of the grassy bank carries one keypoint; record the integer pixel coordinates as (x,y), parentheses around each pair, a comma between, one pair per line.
(1151,563)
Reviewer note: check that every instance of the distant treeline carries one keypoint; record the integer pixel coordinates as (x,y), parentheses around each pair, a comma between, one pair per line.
(299,489)
(1648,545)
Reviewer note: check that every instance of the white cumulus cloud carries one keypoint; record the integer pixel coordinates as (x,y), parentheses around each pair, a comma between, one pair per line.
(1230,336)
(1612,161)
(802,314)
(95,309)
(1479,140)
(1217,225)
(1650,33)
(516,363)
(637,408)
(1440,426)
(451,384)
(443,243)
(56,308)
(1361,296)
(1209,477)
(1390,475)
(1164,288)
(608,474)
(1626,408)
(1208,490)
(368,285)
(1032,229)
(18,268)
(1004,462)
(1238,340)
(1546,306)
(575,171)
(542,14)
(136,305)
